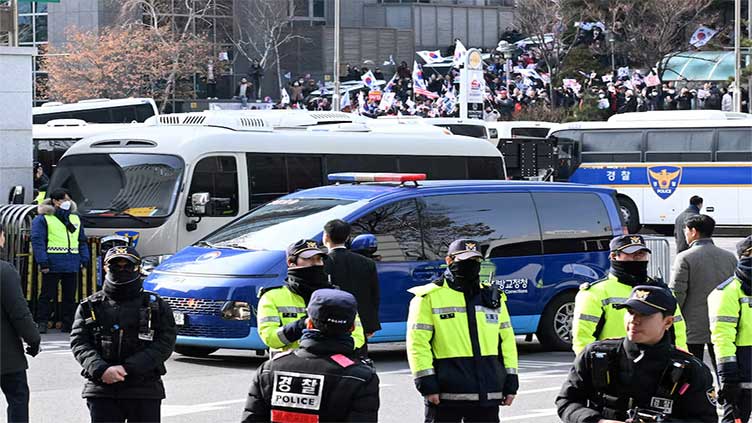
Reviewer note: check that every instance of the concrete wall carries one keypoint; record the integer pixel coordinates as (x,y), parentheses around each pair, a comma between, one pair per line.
(15,125)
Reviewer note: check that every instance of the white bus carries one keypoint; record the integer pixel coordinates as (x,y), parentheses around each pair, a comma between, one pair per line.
(657,165)
(173,182)
(54,138)
(100,110)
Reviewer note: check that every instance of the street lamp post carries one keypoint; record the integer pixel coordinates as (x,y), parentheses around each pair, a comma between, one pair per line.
(506,51)
(737,95)
(335,96)
(611,41)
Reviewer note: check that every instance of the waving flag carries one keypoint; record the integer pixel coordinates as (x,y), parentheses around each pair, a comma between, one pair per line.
(419,85)
(368,79)
(701,36)
(459,54)
(285,97)
(345,101)
(390,85)
(430,57)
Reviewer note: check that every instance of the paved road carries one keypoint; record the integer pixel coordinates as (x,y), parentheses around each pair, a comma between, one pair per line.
(214,389)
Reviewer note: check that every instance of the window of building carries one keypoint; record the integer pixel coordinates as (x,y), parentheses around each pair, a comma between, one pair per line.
(504,224)
(217,175)
(573,222)
(397,230)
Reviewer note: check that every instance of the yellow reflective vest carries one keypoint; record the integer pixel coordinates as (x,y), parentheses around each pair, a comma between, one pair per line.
(730,313)
(59,240)
(280,306)
(596,319)
(455,348)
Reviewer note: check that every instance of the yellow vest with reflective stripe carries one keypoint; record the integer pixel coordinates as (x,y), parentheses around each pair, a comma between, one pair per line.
(595,301)
(281,306)
(40,197)
(437,328)
(59,240)
(730,313)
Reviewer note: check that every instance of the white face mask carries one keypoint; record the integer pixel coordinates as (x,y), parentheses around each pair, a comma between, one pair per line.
(65,205)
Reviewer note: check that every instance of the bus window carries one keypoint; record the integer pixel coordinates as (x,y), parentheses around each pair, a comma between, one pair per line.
(267,177)
(484,168)
(669,146)
(303,172)
(573,222)
(126,114)
(501,222)
(361,163)
(397,229)
(94,115)
(734,145)
(474,131)
(217,175)
(435,167)
(143,112)
(530,132)
(612,146)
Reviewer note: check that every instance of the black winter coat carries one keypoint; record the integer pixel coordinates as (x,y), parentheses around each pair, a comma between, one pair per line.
(144,366)
(16,322)
(357,275)
(349,391)
(637,382)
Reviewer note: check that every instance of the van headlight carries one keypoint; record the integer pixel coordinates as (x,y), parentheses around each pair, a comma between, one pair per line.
(149,263)
(236,310)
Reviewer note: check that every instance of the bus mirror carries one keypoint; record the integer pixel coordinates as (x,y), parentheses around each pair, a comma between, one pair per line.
(199,201)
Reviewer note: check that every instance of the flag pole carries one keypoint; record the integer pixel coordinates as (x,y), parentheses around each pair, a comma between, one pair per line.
(737,55)
(336,94)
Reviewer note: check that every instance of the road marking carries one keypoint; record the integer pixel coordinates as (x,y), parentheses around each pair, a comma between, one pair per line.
(537,413)
(535,391)
(180,410)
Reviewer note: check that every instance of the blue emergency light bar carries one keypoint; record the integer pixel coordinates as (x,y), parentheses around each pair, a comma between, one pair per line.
(376,177)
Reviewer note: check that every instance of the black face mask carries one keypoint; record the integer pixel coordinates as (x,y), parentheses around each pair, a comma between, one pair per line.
(122,285)
(465,275)
(632,273)
(304,280)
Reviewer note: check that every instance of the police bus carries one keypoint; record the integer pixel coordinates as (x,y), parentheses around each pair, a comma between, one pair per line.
(658,160)
(182,176)
(99,110)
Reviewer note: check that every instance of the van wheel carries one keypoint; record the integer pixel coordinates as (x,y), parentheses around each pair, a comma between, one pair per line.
(555,327)
(630,214)
(192,351)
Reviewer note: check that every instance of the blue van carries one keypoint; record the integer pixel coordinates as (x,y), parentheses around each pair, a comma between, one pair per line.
(544,239)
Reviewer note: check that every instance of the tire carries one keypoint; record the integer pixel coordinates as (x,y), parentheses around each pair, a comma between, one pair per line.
(555,327)
(192,351)
(629,214)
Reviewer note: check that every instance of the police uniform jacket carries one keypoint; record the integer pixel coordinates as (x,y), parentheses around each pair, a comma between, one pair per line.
(730,313)
(460,347)
(321,378)
(633,382)
(595,317)
(54,246)
(110,337)
(279,312)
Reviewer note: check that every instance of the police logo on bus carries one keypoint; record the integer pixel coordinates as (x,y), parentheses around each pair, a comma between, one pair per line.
(664,179)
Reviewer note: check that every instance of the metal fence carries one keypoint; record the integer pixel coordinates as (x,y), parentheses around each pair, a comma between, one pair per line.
(660,258)
(16,219)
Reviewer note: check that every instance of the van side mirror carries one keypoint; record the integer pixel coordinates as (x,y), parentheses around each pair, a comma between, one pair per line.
(365,244)
(199,201)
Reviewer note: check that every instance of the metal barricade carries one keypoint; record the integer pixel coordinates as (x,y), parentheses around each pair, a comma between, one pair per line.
(17,219)
(660,258)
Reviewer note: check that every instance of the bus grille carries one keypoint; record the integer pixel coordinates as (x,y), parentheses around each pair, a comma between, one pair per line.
(214,331)
(195,305)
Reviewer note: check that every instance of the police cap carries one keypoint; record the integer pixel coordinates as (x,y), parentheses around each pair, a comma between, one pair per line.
(128,253)
(629,244)
(305,248)
(650,299)
(334,307)
(744,247)
(463,249)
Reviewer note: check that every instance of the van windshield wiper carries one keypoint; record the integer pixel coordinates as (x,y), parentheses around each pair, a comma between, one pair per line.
(122,213)
(236,246)
(205,244)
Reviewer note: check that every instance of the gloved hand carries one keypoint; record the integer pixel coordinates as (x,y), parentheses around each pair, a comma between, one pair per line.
(33,350)
(729,392)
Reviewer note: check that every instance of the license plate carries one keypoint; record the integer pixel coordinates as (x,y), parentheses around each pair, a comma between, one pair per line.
(179,318)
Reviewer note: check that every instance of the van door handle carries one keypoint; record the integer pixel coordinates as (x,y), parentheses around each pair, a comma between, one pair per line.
(710,209)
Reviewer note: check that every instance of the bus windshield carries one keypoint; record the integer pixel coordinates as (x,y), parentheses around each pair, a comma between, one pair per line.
(281,222)
(120,185)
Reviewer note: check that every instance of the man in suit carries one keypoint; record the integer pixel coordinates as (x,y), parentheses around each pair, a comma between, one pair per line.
(695,205)
(353,273)
(16,324)
(696,273)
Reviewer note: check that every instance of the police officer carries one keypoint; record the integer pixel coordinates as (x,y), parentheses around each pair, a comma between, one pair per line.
(122,336)
(642,377)
(282,315)
(730,313)
(460,342)
(595,316)
(322,380)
